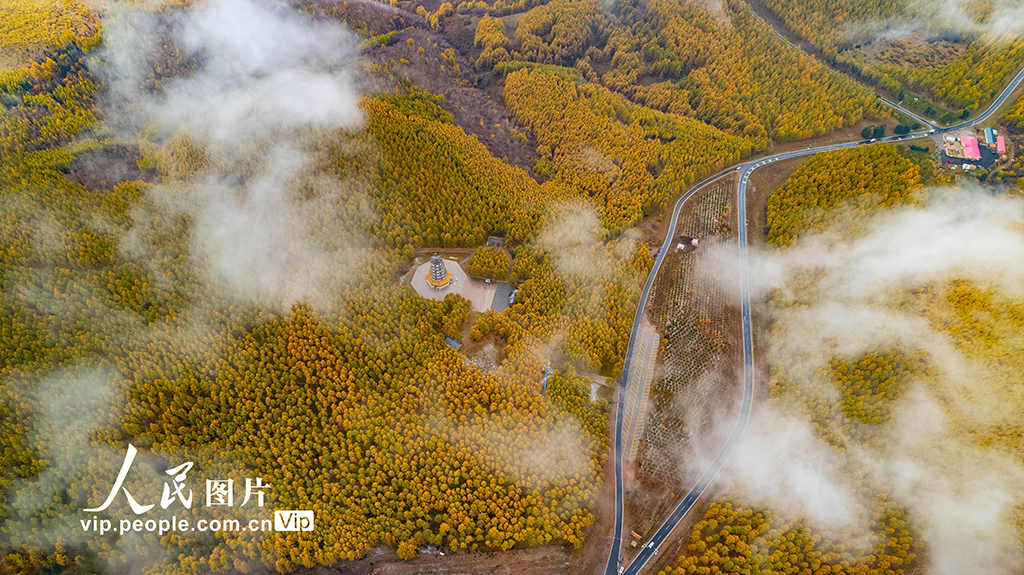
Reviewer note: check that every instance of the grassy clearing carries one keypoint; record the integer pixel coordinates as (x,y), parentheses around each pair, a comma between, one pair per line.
(30,25)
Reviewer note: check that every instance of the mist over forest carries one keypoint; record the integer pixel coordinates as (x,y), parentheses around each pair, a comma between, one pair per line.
(218,220)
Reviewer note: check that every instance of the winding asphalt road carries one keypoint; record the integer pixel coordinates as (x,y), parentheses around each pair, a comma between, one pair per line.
(650,547)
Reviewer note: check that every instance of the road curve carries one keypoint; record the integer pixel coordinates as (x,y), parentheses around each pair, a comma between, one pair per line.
(650,547)
(1003,96)
(611,567)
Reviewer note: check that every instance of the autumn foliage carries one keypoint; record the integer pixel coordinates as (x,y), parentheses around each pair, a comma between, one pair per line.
(489,262)
(557,32)
(968,82)
(598,145)
(735,538)
(966,79)
(490,36)
(862,178)
(40,23)
(1014,121)
(435,185)
(728,70)
(354,408)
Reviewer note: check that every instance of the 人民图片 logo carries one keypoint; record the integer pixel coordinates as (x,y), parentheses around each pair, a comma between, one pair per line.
(219,493)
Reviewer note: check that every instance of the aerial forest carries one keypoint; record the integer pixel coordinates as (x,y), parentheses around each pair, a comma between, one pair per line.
(489,262)
(958,65)
(853,393)
(345,399)
(207,234)
(853,181)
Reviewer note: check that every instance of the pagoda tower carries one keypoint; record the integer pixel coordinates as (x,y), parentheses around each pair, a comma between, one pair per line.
(438,275)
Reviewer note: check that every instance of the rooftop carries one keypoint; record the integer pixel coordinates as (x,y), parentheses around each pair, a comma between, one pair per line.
(971,149)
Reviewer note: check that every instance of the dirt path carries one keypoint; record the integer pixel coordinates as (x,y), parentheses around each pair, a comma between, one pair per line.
(547,560)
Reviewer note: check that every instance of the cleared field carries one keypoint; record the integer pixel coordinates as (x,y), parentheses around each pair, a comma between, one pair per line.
(691,309)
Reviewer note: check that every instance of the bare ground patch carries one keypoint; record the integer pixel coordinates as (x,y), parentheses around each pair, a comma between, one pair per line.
(546,560)
(433,63)
(912,53)
(19,56)
(103,169)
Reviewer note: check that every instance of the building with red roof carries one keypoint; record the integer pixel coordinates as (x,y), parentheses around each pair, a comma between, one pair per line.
(971,150)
